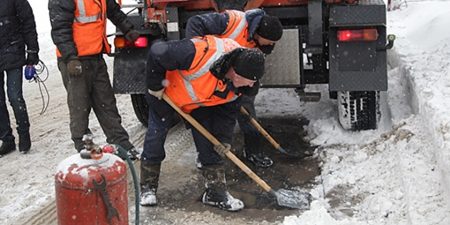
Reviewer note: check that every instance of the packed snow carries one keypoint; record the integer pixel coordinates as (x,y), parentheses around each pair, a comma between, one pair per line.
(395,175)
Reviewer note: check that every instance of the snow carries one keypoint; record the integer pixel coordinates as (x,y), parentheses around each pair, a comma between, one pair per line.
(395,175)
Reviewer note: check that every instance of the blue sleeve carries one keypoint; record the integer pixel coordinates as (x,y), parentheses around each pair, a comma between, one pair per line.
(210,23)
(164,56)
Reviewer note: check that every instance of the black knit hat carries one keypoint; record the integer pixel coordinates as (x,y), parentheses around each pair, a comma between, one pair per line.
(249,63)
(270,28)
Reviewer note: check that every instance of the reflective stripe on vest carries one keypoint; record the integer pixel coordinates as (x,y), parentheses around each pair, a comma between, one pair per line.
(82,18)
(240,17)
(202,71)
(195,87)
(89,28)
(237,29)
(205,68)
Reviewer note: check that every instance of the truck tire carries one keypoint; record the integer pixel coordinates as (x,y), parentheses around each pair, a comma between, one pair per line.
(140,108)
(359,110)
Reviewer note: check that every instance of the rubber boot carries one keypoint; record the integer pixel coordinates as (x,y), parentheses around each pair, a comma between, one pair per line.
(149,183)
(216,193)
(24,143)
(254,153)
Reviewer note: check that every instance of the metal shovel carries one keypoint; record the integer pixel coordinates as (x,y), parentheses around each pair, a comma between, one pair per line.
(272,141)
(288,198)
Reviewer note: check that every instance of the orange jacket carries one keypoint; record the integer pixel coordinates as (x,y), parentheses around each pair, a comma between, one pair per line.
(195,87)
(89,27)
(237,29)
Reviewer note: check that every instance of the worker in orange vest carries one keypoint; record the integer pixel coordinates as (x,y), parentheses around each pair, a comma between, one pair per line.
(205,77)
(79,33)
(252,29)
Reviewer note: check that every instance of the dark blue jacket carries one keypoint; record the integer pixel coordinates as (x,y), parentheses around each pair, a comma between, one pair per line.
(17,30)
(216,23)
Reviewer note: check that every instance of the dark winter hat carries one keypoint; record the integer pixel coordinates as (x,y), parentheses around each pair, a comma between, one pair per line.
(249,63)
(270,28)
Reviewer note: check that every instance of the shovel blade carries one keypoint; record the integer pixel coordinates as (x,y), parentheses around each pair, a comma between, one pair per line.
(293,199)
(292,153)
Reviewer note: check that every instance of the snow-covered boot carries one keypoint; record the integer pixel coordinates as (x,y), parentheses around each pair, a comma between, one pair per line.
(216,193)
(254,153)
(149,183)
(198,164)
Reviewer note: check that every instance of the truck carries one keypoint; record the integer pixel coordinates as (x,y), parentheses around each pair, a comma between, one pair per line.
(339,43)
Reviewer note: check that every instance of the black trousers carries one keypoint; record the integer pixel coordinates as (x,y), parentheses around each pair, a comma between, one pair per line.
(218,120)
(14,79)
(252,137)
(92,90)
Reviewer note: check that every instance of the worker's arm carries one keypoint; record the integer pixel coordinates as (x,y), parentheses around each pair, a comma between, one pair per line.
(210,23)
(117,17)
(165,56)
(28,29)
(62,15)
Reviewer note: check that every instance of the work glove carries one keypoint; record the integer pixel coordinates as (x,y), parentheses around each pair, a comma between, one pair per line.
(132,35)
(222,149)
(157,94)
(74,67)
(32,58)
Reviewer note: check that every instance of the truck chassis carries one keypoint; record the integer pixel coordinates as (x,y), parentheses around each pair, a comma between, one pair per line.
(337,43)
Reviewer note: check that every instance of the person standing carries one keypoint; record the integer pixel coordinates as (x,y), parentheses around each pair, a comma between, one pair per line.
(251,29)
(18,47)
(205,77)
(79,33)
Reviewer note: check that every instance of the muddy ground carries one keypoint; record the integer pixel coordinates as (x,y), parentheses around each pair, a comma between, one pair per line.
(181,183)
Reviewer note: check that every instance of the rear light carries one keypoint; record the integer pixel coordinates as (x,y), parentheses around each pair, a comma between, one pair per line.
(357,35)
(121,42)
(141,42)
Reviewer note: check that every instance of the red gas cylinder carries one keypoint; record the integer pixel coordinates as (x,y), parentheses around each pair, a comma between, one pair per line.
(92,191)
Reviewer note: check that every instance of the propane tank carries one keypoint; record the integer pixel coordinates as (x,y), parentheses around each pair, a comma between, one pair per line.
(92,190)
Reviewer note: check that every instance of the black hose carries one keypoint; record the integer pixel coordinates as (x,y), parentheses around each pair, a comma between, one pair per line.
(122,153)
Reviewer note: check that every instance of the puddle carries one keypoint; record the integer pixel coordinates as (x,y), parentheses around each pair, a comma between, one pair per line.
(287,172)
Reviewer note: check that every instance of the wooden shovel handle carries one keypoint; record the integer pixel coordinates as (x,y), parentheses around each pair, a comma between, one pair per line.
(260,128)
(214,141)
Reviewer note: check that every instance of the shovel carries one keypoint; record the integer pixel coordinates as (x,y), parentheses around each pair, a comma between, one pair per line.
(288,198)
(264,133)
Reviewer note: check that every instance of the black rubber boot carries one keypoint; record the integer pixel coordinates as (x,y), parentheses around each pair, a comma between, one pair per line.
(24,143)
(254,153)
(258,159)
(216,193)
(7,147)
(149,183)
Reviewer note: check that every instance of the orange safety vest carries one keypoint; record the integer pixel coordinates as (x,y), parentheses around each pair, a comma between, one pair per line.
(195,87)
(237,29)
(89,28)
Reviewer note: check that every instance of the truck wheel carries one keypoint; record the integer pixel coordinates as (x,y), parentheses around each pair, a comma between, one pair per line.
(359,110)
(140,108)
